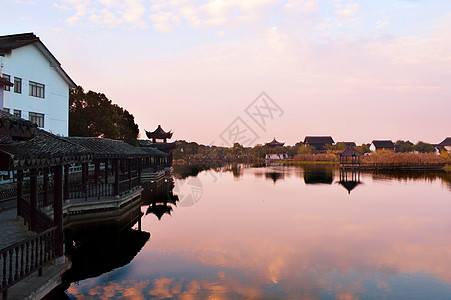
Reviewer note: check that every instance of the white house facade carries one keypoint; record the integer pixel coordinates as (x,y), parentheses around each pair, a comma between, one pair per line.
(40,91)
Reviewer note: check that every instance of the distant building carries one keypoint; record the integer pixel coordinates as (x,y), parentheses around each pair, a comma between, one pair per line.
(272,157)
(274,143)
(159,140)
(33,84)
(446,144)
(319,142)
(378,145)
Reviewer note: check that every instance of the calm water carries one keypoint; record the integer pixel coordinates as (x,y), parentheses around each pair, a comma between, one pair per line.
(283,232)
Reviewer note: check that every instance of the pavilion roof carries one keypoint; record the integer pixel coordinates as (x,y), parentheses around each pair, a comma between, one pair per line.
(274,142)
(159,133)
(350,151)
(446,142)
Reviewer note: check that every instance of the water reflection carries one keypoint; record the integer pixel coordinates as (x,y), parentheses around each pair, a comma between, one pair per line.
(249,238)
(159,197)
(349,179)
(318,174)
(274,176)
(95,254)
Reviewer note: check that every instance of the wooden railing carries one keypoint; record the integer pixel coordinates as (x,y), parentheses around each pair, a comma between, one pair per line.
(91,190)
(23,258)
(402,166)
(41,222)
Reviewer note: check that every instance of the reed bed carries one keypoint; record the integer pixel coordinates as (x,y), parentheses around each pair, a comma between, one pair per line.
(403,158)
(329,157)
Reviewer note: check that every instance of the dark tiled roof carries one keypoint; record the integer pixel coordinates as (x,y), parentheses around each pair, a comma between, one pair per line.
(274,142)
(446,142)
(350,151)
(102,148)
(346,143)
(159,133)
(318,140)
(43,150)
(383,144)
(159,146)
(16,128)
(13,41)
(153,151)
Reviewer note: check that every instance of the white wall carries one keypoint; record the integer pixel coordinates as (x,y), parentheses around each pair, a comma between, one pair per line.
(29,64)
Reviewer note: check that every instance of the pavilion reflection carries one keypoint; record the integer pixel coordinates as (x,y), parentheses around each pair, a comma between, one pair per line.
(275,176)
(159,198)
(349,179)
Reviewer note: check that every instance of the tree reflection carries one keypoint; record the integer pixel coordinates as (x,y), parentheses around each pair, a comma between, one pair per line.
(318,174)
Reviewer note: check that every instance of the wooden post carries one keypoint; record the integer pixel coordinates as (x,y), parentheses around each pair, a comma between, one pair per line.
(66,182)
(116,176)
(46,187)
(129,167)
(19,189)
(106,171)
(33,196)
(139,167)
(58,209)
(96,171)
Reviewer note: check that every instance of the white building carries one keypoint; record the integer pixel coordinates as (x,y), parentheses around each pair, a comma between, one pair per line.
(41,87)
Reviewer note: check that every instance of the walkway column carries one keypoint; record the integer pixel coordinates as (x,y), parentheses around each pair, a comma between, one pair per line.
(139,167)
(58,209)
(46,187)
(33,196)
(19,190)
(96,171)
(66,182)
(106,171)
(116,176)
(129,167)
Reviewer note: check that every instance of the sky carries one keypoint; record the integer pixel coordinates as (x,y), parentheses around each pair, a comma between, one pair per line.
(357,70)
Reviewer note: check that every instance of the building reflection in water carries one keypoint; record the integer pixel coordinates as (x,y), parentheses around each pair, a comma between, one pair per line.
(95,254)
(159,197)
(349,179)
(274,176)
(317,174)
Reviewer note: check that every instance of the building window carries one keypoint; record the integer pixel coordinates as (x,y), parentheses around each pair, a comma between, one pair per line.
(17,85)
(6,109)
(36,118)
(7,77)
(17,113)
(36,89)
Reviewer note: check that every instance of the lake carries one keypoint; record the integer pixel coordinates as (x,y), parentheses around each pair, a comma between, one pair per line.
(290,232)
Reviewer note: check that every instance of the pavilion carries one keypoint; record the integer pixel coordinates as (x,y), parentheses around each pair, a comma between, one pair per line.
(349,157)
(274,143)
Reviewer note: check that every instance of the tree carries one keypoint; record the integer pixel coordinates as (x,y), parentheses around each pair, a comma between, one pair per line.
(307,149)
(93,114)
(404,146)
(424,147)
